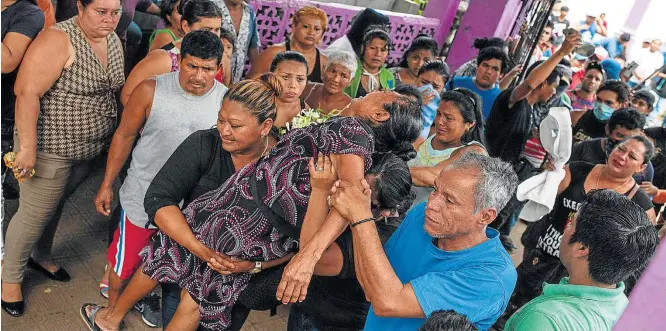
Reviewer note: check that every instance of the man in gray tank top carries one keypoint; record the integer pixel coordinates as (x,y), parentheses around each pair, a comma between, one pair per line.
(163,111)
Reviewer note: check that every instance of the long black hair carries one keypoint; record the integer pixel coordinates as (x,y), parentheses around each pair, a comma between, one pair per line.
(403,127)
(470,106)
(391,183)
(421,42)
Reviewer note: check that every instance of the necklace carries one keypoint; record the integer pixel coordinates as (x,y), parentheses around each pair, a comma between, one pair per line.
(596,186)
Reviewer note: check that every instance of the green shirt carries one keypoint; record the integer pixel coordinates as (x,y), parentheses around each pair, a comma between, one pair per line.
(570,307)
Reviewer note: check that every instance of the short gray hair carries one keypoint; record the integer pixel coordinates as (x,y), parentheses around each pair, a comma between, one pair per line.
(497,181)
(344,58)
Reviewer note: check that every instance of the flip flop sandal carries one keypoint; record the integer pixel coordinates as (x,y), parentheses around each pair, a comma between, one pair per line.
(90,319)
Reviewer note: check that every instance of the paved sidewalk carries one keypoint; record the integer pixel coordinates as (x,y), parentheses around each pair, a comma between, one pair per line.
(80,247)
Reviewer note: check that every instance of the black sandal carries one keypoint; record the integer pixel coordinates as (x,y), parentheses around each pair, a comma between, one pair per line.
(90,319)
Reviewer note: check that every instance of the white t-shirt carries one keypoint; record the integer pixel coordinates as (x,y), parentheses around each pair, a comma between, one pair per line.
(648,63)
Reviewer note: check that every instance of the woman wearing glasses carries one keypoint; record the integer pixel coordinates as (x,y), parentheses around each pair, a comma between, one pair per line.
(458,129)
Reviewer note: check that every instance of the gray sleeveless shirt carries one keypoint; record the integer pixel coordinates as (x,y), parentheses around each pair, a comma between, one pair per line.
(174,116)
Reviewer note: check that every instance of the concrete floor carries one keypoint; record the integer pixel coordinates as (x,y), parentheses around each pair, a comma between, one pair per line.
(80,247)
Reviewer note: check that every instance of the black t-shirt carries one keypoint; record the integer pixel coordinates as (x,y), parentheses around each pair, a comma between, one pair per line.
(338,303)
(592,151)
(588,127)
(27,19)
(508,128)
(568,202)
(197,166)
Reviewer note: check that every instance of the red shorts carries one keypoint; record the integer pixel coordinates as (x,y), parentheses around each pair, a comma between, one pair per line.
(128,241)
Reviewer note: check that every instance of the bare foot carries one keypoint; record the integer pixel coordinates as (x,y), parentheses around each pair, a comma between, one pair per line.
(11,292)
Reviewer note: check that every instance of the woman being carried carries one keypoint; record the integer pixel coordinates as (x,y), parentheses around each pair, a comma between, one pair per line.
(307,28)
(242,218)
(335,298)
(338,73)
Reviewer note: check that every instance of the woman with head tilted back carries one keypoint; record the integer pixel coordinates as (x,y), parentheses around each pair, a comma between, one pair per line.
(269,197)
(422,50)
(291,68)
(307,30)
(372,74)
(458,129)
(65,116)
(338,73)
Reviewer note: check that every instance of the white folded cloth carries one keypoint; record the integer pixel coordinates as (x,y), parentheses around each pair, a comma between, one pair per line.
(541,190)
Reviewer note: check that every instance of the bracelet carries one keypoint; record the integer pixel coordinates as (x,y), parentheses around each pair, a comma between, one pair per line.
(362,221)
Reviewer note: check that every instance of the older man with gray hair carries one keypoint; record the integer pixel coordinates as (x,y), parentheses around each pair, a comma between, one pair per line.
(443,256)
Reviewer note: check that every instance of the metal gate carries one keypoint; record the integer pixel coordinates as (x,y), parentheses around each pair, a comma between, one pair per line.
(530,22)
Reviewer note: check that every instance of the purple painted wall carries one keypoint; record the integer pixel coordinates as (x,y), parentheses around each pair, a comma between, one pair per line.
(274,17)
(508,18)
(445,11)
(481,20)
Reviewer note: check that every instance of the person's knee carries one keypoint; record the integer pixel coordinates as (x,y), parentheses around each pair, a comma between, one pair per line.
(187,304)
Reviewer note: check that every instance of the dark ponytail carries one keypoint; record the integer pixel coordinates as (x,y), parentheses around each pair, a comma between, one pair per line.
(481,43)
(402,128)
(391,182)
(471,109)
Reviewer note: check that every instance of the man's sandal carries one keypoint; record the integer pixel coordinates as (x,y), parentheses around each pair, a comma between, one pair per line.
(90,319)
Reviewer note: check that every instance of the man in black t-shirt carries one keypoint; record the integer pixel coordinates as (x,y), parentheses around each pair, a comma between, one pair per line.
(623,123)
(611,96)
(513,123)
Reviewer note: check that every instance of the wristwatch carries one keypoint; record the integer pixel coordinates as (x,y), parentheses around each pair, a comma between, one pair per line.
(257,268)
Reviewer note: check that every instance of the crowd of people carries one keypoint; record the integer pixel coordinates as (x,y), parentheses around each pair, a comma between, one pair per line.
(365,196)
